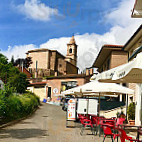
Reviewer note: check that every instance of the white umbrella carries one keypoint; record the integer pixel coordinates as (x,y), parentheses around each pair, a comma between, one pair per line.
(127,73)
(98,87)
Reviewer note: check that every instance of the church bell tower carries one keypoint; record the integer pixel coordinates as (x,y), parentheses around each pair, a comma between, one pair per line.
(72,51)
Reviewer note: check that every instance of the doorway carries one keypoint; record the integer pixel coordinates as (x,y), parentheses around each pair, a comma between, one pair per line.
(49,92)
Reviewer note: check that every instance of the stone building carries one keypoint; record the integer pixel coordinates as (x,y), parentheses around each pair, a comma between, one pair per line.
(134,46)
(110,56)
(53,86)
(137,10)
(52,63)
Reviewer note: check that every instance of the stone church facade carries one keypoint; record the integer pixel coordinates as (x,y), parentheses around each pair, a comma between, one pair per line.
(47,62)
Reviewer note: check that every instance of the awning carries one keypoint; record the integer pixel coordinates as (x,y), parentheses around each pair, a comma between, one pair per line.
(137,10)
(127,73)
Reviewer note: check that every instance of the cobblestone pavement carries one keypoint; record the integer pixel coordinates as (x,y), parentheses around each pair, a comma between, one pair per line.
(48,124)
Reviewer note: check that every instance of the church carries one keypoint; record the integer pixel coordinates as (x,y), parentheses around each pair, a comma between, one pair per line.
(47,62)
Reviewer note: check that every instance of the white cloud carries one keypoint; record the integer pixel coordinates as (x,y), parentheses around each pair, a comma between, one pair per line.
(18,51)
(36,10)
(89,44)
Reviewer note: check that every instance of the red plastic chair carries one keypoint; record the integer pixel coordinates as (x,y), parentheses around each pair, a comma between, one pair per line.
(120,121)
(107,132)
(86,123)
(108,121)
(123,136)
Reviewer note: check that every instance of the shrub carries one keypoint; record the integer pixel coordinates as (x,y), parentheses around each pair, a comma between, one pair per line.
(17,106)
(131,111)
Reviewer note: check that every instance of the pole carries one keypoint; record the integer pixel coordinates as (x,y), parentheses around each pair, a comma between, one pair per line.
(126,105)
(99,105)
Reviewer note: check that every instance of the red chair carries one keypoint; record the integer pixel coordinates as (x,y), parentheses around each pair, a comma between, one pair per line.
(120,121)
(107,132)
(123,136)
(108,121)
(86,123)
(95,124)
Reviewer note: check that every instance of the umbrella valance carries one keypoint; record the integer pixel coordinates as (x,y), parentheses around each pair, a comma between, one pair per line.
(98,87)
(127,73)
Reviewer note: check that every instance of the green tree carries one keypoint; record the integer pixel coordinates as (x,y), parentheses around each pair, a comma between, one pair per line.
(19,82)
(11,76)
(12,60)
(3,59)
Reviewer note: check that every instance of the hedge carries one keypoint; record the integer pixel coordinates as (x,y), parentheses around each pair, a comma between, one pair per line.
(16,106)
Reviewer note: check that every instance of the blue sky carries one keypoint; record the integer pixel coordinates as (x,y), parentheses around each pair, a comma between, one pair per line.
(30,24)
(73,17)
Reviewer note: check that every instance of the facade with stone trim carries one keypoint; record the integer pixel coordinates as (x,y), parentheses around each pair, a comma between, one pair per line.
(47,62)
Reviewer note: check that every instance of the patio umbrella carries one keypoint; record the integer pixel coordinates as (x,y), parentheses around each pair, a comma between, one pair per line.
(99,88)
(127,73)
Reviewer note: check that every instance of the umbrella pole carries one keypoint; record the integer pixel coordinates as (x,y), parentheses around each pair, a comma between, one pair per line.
(99,105)
(126,105)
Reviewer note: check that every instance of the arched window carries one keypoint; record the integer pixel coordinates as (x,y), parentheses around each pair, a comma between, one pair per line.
(70,51)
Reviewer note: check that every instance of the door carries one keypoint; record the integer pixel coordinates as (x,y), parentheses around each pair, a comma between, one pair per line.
(49,92)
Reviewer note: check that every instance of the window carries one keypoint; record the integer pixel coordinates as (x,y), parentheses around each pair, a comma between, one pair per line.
(70,50)
(68,85)
(60,65)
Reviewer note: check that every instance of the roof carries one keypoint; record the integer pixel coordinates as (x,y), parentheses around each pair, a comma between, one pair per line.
(104,53)
(37,83)
(44,50)
(38,50)
(68,76)
(72,40)
(134,37)
(137,10)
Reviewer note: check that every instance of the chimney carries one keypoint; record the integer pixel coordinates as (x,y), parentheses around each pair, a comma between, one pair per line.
(91,71)
(87,72)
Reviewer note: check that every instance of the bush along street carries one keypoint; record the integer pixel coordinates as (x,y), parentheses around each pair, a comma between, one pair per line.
(15,101)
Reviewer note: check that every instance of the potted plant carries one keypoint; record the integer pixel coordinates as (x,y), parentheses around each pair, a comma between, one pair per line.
(131,113)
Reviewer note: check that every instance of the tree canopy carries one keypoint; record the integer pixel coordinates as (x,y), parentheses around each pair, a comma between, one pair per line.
(11,76)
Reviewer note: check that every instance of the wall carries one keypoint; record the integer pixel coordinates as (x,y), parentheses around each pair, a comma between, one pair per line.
(41,92)
(118,58)
(53,60)
(41,57)
(71,69)
(56,83)
(61,66)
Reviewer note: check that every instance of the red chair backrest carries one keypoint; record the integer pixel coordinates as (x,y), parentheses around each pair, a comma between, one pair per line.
(94,120)
(107,130)
(120,121)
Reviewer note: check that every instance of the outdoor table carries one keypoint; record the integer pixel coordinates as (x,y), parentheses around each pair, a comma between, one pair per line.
(139,132)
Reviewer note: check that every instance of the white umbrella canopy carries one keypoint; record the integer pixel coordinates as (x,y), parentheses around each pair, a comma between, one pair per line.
(98,87)
(126,73)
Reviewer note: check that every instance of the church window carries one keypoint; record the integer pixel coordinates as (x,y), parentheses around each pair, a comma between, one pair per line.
(70,51)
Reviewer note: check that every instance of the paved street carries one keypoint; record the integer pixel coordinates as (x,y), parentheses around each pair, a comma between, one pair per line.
(48,124)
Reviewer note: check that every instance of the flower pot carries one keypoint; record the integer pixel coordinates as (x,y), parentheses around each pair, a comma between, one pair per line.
(131,122)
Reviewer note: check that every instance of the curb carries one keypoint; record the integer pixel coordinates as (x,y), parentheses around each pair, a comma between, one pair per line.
(18,120)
